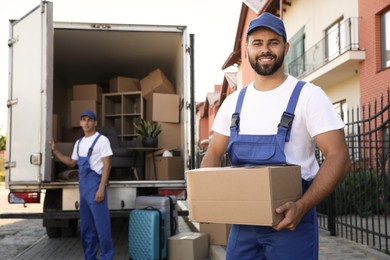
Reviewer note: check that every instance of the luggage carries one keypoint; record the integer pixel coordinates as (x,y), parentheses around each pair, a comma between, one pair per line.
(147,234)
(166,203)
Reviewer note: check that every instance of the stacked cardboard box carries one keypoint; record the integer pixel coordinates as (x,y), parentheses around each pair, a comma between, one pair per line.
(163,107)
(124,84)
(189,246)
(85,96)
(218,233)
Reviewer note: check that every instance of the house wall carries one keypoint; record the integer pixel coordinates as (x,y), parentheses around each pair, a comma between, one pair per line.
(374,81)
(316,16)
(246,74)
(345,90)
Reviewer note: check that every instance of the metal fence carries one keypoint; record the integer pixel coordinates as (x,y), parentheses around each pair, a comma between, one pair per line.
(359,209)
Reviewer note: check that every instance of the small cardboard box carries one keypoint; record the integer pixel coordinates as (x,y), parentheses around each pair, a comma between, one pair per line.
(242,195)
(188,246)
(87,92)
(167,168)
(78,106)
(218,233)
(156,82)
(170,136)
(163,108)
(124,84)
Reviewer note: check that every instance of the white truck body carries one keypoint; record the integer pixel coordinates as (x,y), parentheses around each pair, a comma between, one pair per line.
(46,55)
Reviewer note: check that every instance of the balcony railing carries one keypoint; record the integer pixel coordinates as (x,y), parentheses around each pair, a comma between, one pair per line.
(342,39)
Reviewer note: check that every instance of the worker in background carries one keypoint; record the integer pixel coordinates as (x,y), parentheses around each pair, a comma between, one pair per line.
(278,119)
(92,153)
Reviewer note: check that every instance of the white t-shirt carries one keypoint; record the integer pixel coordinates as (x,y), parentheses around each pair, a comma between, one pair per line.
(261,113)
(101,149)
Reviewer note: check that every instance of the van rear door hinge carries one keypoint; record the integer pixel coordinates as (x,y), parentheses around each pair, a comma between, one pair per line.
(12,41)
(11,102)
(8,165)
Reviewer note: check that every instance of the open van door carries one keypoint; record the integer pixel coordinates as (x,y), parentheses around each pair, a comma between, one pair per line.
(30,97)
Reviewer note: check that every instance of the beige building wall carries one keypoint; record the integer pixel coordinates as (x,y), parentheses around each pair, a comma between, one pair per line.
(316,17)
(345,90)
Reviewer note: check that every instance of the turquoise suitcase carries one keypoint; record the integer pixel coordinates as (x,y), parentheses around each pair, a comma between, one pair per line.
(147,234)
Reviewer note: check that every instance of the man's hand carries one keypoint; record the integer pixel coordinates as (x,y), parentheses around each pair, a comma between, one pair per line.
(293,214)
(99,196)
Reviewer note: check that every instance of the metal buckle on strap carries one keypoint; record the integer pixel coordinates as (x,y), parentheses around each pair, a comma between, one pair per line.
(286,120)
(235,120)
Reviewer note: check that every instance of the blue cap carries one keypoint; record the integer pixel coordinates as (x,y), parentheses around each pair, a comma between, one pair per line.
(89,114)
(270,21)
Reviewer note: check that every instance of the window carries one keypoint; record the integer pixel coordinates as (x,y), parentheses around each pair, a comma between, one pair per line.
(295,59)
(385,39)
(335,40)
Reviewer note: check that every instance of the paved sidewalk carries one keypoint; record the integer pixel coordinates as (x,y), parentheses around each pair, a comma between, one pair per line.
(334,248)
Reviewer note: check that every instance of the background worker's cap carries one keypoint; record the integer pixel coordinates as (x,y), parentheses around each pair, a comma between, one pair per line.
(270,21)
(89,114)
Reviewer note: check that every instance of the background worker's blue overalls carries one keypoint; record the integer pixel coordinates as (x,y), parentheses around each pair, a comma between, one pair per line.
(95,224)
(263,242)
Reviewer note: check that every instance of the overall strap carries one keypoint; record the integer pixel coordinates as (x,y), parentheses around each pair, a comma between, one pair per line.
(286,121)
(235,123)
(93,145)
(91,148)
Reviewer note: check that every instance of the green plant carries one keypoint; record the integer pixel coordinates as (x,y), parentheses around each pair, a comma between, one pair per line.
(147,128)
(2,142)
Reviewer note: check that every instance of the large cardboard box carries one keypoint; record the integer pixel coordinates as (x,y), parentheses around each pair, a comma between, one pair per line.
(242,195)
(78,106)
(163,108)
(124,84)
(188,246)
(156,82)
(170,136)
(218,233)
(87,92)
(167,168)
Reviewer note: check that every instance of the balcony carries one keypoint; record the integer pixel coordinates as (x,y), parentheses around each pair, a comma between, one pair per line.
(333,59)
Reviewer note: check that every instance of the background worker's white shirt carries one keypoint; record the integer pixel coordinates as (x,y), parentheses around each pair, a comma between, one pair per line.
(101,149)
(261,113)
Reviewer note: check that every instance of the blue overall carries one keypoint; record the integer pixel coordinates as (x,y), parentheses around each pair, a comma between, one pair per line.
(95,224)
(263,242)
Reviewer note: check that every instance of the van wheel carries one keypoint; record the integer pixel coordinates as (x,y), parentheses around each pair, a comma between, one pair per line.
(71,230)
(53,232)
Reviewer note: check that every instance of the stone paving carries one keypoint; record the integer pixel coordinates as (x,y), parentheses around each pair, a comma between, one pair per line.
(16,235)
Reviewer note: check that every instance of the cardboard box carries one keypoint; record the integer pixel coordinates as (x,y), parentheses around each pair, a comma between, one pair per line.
(218,233)
(167,168)
(124,84)
(170,136)
(72,134)
(57,128)
(242,195)
(78,106)
(87,92)
(188,246)
(163,108)
(156,82)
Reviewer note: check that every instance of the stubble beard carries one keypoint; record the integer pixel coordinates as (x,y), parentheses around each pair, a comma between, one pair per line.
(268,69)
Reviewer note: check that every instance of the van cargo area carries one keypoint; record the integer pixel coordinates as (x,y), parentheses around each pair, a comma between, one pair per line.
(124,73)
(85,56)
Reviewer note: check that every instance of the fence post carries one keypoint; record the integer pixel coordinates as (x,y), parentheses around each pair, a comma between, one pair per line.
(332,214)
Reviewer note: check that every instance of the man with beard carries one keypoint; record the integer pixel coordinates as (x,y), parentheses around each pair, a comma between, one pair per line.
(279,120)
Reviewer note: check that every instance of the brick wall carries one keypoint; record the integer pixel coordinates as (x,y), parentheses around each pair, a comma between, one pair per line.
(373,79)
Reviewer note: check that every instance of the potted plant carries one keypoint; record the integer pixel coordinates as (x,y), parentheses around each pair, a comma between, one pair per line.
(149,132)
